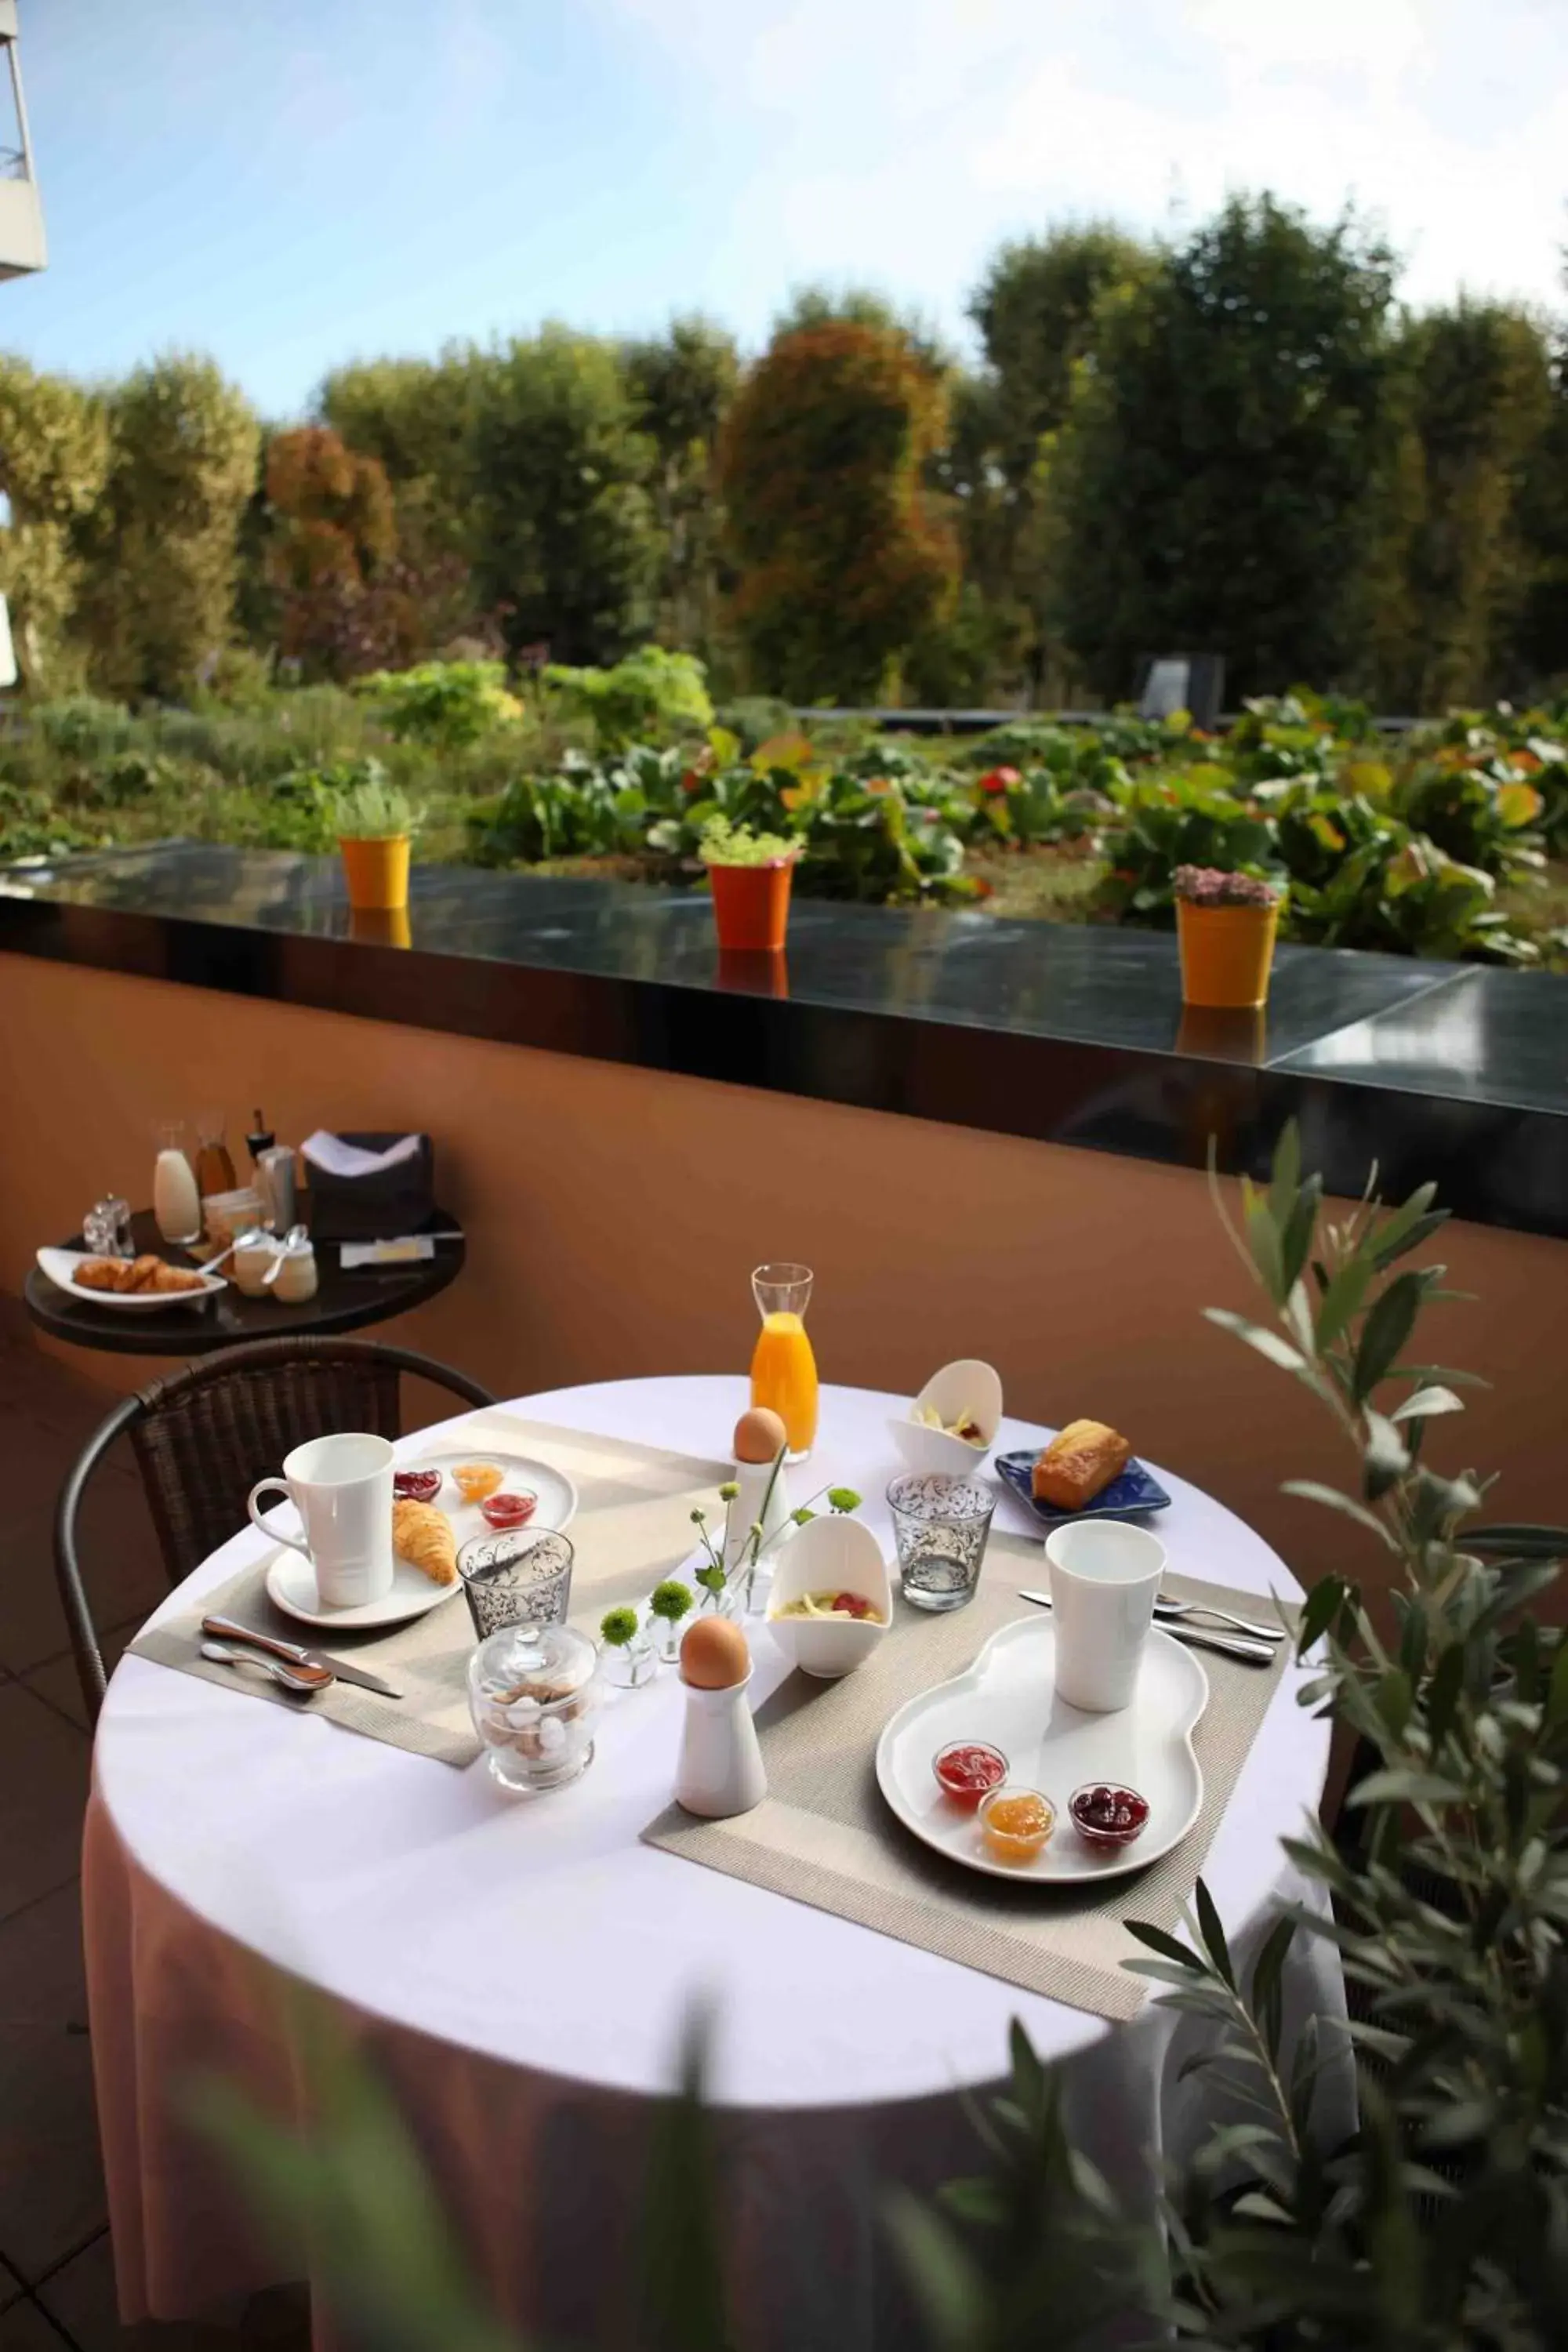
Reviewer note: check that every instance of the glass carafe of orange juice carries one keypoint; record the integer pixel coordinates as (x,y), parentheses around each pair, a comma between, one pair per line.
(784,1369)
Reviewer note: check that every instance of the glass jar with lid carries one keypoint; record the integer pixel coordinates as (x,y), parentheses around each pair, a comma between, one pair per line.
(534,1693)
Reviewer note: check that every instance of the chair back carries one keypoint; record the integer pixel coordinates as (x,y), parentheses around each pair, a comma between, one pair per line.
(204,1435)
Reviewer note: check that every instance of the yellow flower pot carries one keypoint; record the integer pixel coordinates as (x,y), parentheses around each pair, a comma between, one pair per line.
(376,873)
(1227,952)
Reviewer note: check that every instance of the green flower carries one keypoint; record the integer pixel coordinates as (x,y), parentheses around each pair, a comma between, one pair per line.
(672,1600)
(698,1518)
(618,1627)
(843,1498)
(713,1578)
(728,1490)
(802,1512)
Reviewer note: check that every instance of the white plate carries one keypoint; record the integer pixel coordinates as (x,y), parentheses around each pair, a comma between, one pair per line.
(292,1580)
(61,1265)
(1007,1698)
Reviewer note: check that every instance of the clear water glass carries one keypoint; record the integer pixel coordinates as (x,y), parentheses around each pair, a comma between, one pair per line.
(941,1525)
(522,1578)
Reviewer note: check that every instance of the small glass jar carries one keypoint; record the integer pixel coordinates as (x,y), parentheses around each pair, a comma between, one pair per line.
(255,1254)
(227,1214)
(106,1228)
(297,1276)
(534,1693)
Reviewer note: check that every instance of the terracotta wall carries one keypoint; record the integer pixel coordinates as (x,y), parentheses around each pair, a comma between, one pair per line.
(614,1216)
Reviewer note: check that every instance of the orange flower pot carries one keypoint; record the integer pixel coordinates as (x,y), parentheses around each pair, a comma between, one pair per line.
(1227,952)
(376,873)
(751,905)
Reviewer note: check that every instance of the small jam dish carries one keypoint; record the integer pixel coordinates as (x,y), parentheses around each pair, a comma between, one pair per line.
(1107,1814)
(968,1769)
(966,1392)
(1016,1823)
(830,1555)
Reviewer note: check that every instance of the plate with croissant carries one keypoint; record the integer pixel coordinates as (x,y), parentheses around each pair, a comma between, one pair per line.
(441,1500)
(133,1285)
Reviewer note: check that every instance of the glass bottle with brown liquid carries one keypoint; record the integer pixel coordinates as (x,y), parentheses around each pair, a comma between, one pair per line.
(215,1169)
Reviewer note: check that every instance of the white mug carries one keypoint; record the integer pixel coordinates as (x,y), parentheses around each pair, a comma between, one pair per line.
(341,1488)
(1105,1576)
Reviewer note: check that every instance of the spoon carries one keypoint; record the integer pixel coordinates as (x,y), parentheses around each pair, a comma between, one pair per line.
(306,1680)
(295,1235)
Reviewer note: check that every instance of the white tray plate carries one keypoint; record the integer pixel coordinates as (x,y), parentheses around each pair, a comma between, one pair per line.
(292,1580)
(1007,1698)
(61,1265)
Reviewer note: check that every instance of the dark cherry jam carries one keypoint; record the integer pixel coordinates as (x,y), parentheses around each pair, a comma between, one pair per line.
(1107,1815)
(969,1770)
(416,1485)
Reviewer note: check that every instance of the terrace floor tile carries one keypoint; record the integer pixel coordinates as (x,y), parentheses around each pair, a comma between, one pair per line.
(43,1764)
(80,2298)
(51,2178)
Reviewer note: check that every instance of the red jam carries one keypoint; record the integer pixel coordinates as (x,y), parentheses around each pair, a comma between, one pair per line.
(416,1485)
(968,1769)
(505,1510)
(1106,1815)
(852,1604)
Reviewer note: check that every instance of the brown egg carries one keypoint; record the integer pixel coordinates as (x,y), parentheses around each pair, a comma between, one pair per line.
(713,1655)
(759,1433)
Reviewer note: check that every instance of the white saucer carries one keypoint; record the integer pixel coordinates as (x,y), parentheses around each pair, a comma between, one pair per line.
(291,1585)
(1007,1698)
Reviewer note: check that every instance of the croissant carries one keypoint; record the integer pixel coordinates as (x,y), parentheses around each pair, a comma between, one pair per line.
(143,1272)
(1078,1462)
(101,1274)
(175,1277)
(423,1537)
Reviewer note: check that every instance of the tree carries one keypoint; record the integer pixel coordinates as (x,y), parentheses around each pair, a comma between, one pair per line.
(162,544)
(54,458)
(565,544)
(682,382)
(1216,468)
(844,558)
(331,556)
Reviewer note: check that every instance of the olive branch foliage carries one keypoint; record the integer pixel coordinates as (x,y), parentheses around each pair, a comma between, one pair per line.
(1442,2221)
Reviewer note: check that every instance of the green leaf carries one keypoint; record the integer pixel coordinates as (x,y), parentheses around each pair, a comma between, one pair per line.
(1340,1301)
(1263,1239)
(1399,1786)
(1310,1491)
(1213,1934)
(1296,1238)
(1520,1540)
(948,2286)
(1323,1604)
(1268,1343)
(1385,1459)
(1158,1941)
(1389,1323)
(1285,1176)
(1426,1403)
(1267,1974)
(1443,1692)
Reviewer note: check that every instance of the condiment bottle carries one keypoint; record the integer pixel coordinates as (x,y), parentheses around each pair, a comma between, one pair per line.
(260,1139)
(215,1169)
(176,1202)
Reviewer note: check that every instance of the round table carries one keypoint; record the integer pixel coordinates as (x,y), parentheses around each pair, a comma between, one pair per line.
(343,1301)
(524,1970)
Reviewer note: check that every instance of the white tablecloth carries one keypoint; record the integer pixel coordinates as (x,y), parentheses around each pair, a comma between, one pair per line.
(522,1969)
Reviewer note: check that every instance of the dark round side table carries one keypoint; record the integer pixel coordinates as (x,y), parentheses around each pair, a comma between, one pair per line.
(343,1302)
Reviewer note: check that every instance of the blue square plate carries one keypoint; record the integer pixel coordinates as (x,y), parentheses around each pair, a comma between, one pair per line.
(1126,1497)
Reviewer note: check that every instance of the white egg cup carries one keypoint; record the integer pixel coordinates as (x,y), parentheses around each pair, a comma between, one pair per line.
(835,1554)
(968,1386)
(720,1770)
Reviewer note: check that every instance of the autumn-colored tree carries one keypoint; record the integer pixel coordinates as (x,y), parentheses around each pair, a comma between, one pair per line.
(156,607)
(843,555)
(333,539)
(54,456)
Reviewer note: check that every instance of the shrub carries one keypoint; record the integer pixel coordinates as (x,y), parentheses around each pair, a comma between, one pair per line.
(651,695)
(446,704)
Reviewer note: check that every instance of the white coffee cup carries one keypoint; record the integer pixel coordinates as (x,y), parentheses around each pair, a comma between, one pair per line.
(341,1488)
(1105,1576)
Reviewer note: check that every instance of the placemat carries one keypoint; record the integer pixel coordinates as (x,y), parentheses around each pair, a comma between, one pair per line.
(633,1526)
(824,1833)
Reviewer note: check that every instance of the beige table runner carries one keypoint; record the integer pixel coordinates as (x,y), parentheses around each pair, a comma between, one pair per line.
(825,1833)
(633,1526)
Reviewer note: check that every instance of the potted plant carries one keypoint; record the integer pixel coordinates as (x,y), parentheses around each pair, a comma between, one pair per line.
(1226,924)
(751,874)
(375,824)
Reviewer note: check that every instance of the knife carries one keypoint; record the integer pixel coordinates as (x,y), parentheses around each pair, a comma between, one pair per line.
(228,1631)
(1229,1645)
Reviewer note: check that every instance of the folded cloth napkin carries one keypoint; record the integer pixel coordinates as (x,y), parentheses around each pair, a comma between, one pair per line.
(340,1159)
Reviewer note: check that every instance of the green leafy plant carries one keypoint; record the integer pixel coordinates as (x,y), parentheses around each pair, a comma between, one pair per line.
(723,844)
(619,1627)
(650,693)
(447,704)
(364,805)
(1190,818)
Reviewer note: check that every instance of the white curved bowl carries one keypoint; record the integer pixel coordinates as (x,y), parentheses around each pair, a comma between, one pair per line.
(834,1554)
(967,1386)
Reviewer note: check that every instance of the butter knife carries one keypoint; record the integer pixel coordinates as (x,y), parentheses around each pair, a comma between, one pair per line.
(227,1630)
(1256,1653)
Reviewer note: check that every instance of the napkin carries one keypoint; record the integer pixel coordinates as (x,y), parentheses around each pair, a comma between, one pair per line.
(349,1160)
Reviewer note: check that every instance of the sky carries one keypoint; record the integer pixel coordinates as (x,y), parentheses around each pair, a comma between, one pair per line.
(292,185)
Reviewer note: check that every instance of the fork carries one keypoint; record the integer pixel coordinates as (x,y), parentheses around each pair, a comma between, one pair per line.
(1183,1609)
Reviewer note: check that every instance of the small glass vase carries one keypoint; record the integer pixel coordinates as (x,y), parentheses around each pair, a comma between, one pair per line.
(628,1666)
(665,1634)
(729,1600)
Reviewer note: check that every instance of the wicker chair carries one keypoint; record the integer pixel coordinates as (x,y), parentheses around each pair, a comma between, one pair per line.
(204,1435)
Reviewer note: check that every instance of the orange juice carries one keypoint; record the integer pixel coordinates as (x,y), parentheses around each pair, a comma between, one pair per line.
(784,1375)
